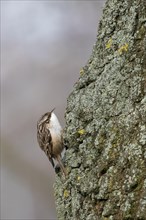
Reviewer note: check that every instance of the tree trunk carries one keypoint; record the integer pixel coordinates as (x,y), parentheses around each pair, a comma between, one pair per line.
(106,123)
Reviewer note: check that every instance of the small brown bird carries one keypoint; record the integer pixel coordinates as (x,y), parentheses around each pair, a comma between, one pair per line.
(49,135)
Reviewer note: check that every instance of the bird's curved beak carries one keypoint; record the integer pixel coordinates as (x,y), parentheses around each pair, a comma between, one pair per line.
(53,110)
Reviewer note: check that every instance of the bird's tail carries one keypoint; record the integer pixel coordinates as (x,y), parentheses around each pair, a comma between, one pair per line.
(52,162)
(61,165)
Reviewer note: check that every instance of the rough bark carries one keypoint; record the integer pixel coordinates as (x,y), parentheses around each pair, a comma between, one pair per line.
(106,123)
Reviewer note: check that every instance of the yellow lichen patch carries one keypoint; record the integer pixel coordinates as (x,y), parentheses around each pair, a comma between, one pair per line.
(109,43)
(78,178)
(123,48)
(81,131)
(81,72)
(66,193)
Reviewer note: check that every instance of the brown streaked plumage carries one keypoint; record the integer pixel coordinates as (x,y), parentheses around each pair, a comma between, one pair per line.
(49,136)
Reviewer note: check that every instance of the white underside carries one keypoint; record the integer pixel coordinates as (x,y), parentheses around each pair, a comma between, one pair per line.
(56,133)
(55,126)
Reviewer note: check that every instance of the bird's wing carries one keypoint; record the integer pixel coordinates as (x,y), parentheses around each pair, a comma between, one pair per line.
(49,147)
(45,143)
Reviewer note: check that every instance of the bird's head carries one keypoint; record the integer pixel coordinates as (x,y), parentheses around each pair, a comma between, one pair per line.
(45,118)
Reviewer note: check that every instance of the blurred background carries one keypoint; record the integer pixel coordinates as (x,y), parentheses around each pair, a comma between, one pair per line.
(44,44)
